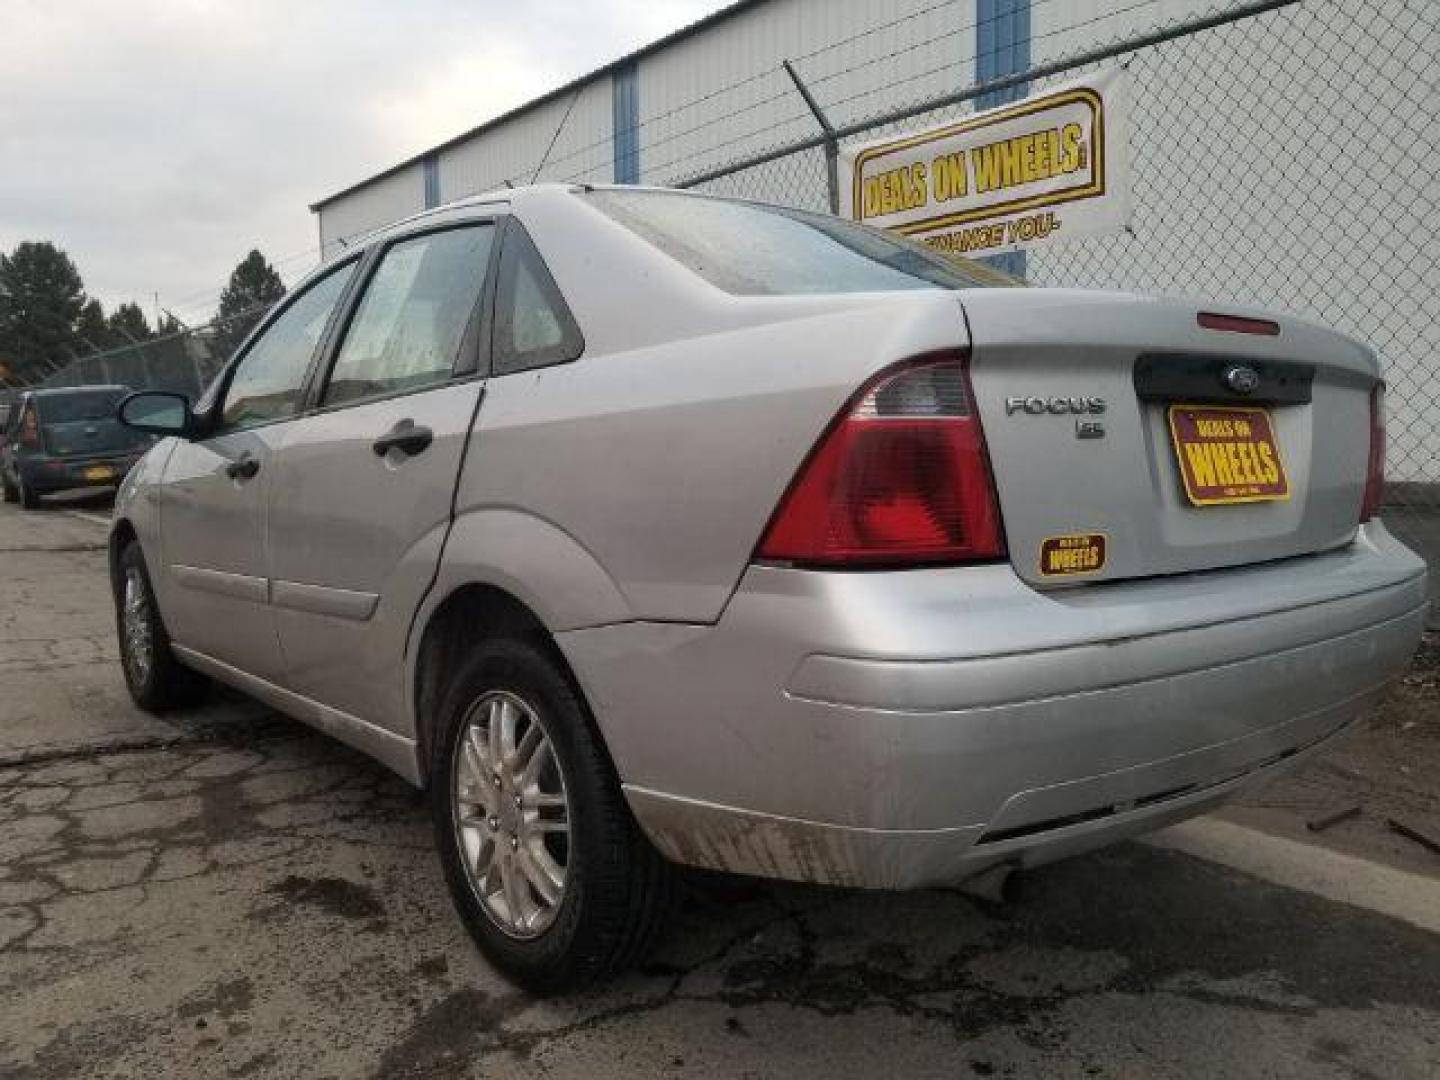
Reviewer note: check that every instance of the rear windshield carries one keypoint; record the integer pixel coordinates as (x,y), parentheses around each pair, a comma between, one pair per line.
(82,405)
(752,249)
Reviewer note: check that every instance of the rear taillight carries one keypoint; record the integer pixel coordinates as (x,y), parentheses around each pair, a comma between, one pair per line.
(1375,471)
(900,478)
(30,429)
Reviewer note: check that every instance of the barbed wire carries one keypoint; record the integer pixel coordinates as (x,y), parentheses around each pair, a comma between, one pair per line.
(787,91)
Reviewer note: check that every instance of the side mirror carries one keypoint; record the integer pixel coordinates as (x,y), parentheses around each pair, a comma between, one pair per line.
(158,412)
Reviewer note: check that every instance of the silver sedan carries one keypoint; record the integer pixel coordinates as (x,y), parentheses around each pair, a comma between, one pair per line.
(645,528)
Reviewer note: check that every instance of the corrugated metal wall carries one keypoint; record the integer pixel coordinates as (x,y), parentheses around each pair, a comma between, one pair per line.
(1061,28)
(700,102)
(387,199)
(722,95)
(514,150)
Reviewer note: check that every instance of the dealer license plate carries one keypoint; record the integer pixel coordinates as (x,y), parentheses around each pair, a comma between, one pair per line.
(99,472)
(1227,455)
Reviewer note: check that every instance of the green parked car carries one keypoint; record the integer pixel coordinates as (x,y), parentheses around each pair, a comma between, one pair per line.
(64,439)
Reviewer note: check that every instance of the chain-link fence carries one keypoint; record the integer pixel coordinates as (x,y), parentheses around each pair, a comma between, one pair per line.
(1281,155)
(184,361)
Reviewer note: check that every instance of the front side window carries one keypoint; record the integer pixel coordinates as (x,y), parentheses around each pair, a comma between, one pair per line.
(408,329)
(752,249)
(533,327)
(268,383)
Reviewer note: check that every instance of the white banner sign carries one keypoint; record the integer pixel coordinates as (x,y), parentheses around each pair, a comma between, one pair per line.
(1033,172)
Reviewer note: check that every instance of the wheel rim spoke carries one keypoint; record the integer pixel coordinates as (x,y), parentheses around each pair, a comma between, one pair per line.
(512,814)
(136,626)
(538,760)
(542,872)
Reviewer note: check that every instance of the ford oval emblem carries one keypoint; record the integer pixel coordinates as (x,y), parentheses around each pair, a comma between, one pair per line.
(1241,379)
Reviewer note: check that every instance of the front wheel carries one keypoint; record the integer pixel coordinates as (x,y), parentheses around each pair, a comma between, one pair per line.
(154,676)
(546,865)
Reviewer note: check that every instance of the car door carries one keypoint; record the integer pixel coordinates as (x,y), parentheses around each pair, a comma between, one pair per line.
(214,591)
(362,489)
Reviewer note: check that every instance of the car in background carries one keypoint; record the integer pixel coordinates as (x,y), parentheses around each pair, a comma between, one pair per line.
(64,439)
(643,527)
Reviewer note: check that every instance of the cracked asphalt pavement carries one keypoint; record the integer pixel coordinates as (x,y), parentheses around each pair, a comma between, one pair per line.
(228,894)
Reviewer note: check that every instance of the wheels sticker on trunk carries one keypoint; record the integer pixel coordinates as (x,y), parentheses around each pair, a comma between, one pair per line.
(1072,554)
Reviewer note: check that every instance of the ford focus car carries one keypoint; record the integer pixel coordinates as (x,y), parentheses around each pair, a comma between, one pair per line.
(644,528)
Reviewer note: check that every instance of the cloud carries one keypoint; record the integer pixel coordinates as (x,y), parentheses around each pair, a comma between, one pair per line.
(159,140)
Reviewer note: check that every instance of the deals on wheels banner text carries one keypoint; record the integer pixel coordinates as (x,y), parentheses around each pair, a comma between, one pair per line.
(1045,169)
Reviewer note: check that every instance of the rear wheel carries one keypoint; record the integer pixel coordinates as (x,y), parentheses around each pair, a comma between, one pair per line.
(548,869)
(155,677)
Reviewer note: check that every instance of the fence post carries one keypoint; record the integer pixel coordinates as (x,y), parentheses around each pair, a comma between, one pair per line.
(831,143)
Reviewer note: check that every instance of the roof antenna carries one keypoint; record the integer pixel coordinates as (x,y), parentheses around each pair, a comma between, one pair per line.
(558,128)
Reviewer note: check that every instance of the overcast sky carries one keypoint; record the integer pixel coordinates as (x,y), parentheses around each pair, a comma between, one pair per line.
(157,141)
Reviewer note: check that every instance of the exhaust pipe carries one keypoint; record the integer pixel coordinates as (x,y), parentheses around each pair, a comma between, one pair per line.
(998,884)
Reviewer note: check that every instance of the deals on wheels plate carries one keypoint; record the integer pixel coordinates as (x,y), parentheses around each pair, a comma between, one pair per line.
(1227,455)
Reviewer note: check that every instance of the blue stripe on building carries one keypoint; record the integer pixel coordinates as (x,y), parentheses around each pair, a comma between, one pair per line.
(625,112)
(1002,47)
(430,169)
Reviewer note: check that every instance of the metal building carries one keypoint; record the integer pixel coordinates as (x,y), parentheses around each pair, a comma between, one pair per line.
(716,91)
(1280,148)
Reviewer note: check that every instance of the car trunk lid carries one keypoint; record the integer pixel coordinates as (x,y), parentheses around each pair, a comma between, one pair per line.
(1129,437)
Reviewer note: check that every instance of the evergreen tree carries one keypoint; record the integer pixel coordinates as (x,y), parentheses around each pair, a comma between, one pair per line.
(41,297)
(254,286)
(92,332)
(128,326)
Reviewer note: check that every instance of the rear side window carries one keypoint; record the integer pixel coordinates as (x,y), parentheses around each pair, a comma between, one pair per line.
(82,405)
(267,383)
(407,331)
(533,325)
(751,249)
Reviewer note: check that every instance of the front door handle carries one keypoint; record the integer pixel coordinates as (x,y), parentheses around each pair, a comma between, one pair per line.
(243,467)
(407,437)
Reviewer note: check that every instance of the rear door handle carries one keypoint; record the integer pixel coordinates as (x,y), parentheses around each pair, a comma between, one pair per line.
(407,437)
(243,467)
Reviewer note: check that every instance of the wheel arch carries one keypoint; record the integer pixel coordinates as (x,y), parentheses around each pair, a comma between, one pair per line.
(122,534)
(471,613)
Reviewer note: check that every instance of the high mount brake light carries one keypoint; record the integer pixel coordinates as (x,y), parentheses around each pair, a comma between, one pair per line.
(900,478)
(1375,468)
(1237,324)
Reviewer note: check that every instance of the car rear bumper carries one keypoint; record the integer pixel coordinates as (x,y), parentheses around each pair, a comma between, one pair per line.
(44,475)
(905,729)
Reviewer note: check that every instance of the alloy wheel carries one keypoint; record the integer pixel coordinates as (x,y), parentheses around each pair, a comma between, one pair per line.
(512,814)
(135,618)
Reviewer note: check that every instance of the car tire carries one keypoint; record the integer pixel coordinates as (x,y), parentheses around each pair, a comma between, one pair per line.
(614,888)
(155,677)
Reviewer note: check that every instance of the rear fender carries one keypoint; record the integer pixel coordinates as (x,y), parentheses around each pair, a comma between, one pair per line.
(533,560)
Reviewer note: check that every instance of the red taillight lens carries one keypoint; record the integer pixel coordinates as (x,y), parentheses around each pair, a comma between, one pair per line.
(30,429)
(1375,471)
(900,478)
